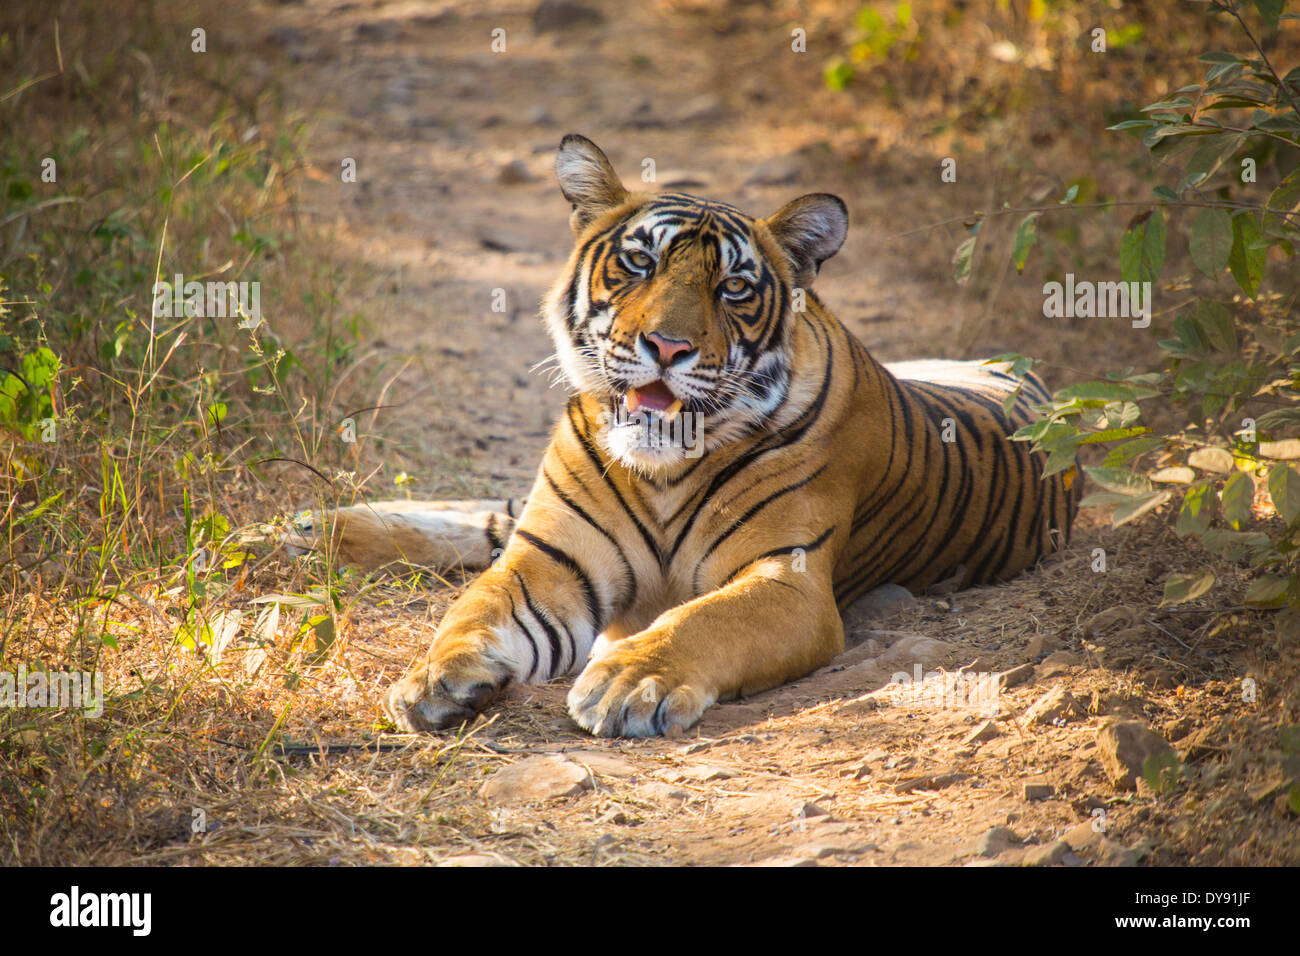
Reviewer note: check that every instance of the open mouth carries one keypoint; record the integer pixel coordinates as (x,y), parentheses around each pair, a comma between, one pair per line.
(655,397)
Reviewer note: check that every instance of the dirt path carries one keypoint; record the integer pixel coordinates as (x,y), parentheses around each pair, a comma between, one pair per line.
(454,199)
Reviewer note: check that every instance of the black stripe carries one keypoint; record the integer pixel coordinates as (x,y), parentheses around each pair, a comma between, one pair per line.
(585,443)
(581,512)
(532,641)
(566,561)
(546,625)
(777,552)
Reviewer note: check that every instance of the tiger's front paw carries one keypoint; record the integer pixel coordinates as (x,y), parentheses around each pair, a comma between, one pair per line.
(444,692)
(628,694)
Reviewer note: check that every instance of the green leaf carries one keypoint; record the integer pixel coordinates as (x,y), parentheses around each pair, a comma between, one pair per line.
(1197,511)
(1026,236)
(1165,193)
(1279,418)
(1138,506)
(1216,325)
(1233,544)
(961,260)
(1142,250)
(1131,449)
(1180,588)
(1246,260)
(1268,590)
(1237,496)
(838,75)
(1119,480)
(1211,241)
(1284,206)
(1113,434)
(323,634)
(1097,391)
(1104,499)
(1270,11)
(1161,771)
(1284,489)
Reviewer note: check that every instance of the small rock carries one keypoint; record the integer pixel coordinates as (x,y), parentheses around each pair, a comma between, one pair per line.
(498,240)
(809,810)
(1124,746)
(1041,644)
(1110,853)
(1016,676)
(662,792)
(885,599)
(1057,703)
(776,171)
(544,777)
(1053,854)
(378,30)
(822,849)
(913,649)
(1111,617)
(515,173)
(1037,791)
(995,841)
(703,773)
(1266,788)
(1082,836)
(985,731)
(603,764)
(562,14)
(705,108)
(1058,661)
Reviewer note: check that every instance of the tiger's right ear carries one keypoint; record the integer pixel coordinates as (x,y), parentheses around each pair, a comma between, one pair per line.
(587,180)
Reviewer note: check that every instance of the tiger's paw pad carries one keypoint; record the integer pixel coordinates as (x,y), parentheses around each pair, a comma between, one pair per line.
(613,699)
(441,694)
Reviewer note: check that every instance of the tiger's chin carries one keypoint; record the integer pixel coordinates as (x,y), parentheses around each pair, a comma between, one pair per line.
(650,442)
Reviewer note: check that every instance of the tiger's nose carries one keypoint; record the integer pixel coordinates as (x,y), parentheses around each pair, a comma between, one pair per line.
(666,350)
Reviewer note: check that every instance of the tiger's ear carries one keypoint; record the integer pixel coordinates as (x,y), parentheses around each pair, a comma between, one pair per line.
(810,229)
(587,180)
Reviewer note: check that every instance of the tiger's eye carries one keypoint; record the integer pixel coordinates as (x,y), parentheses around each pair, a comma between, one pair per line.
(735,285)
(639,259)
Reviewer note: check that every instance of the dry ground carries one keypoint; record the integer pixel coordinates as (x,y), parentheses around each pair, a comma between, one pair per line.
(453,146)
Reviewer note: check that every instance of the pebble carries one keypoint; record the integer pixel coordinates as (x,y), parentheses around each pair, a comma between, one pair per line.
(1124,746)
(544,777)
(1056,703)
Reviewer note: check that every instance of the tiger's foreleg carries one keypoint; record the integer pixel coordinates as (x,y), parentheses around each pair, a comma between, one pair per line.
(531,616)
(768,626)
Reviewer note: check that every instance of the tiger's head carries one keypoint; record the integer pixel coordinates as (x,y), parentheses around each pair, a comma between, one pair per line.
(675,312)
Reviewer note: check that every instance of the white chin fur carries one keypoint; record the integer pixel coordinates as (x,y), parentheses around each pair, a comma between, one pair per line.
(628,444)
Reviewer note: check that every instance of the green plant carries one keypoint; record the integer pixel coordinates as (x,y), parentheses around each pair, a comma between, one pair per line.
(1218,422)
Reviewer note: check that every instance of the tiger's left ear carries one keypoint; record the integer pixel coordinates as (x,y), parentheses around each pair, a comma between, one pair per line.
(810,229)
(587,179)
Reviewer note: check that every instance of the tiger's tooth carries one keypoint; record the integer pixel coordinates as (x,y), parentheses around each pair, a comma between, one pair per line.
(632,400)
(672,410)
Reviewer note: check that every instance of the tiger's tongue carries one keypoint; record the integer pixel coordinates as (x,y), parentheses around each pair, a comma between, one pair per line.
(657,397)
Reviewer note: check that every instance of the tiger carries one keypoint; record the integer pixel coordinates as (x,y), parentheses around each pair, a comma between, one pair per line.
(732,470)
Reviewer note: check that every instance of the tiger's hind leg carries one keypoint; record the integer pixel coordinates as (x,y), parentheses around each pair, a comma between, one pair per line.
(465,534)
